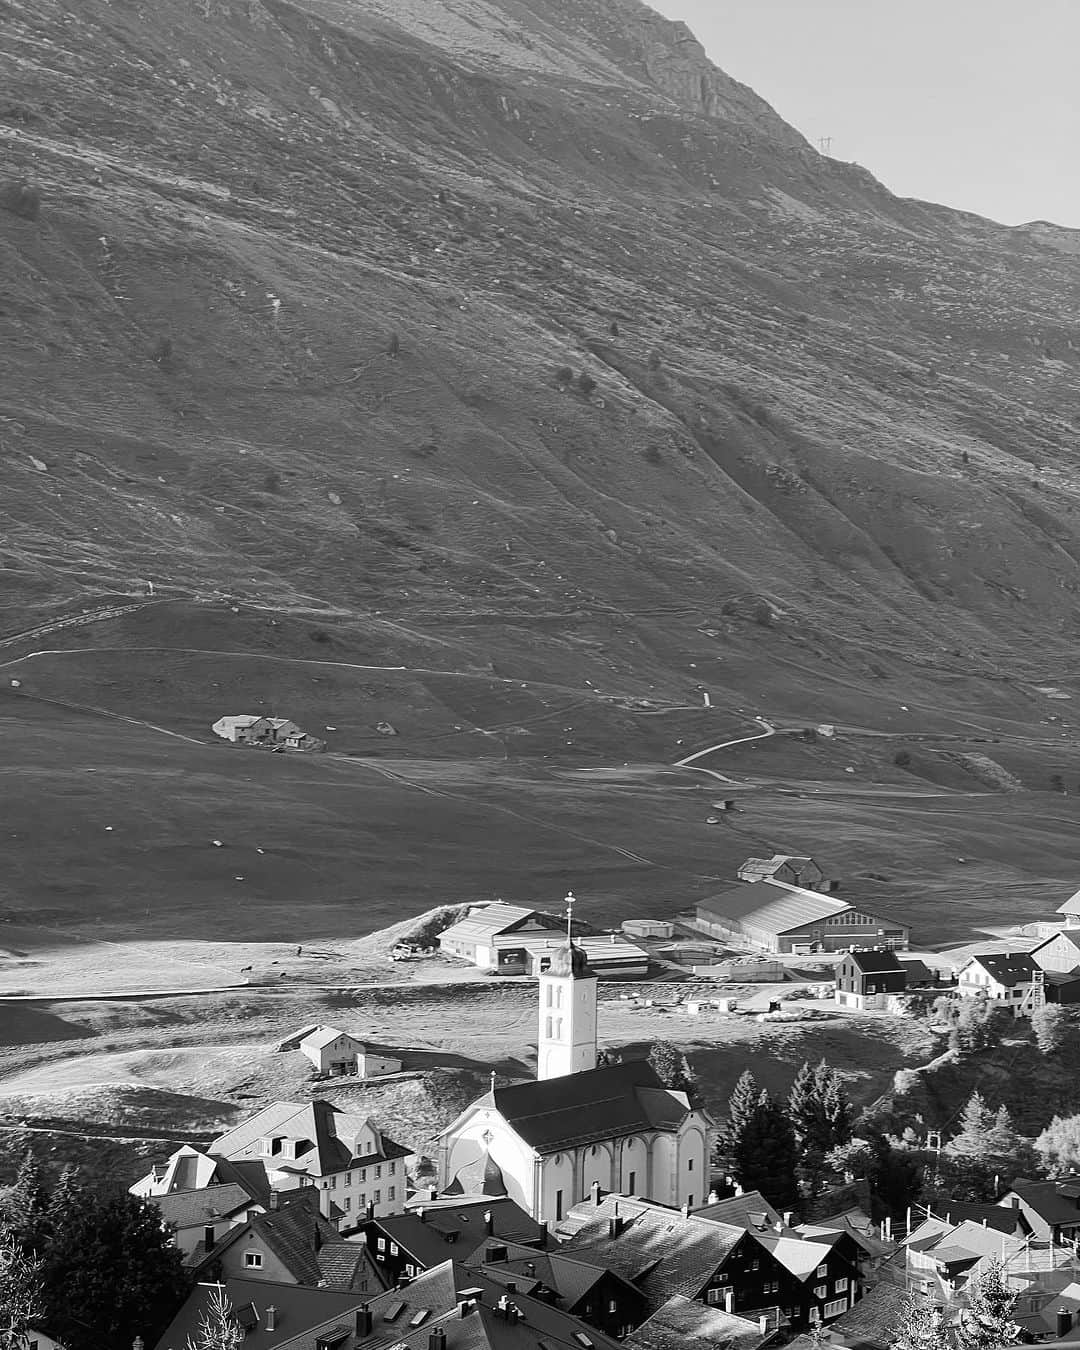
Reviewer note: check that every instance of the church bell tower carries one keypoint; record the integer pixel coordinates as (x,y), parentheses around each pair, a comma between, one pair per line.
(566,1041)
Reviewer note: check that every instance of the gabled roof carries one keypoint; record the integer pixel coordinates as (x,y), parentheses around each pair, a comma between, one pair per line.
(1007,968)
(488,921)
(552,1114)
(325,1131)
(1001,1218)
(773,906)
(306,1244)
(192,1169)
(406,1317)
(684,1324)
(873,1322)
(1071,906)
(1055,1202)
(749,1210)
(661,1250)
(324,1036)
(240,719)
(800,1256)
(566,1274)
(200,1209)
(296,1309)
(876,962)
(1070,935)
(431,1237)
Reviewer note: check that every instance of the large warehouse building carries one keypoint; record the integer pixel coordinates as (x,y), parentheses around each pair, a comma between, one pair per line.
(778,917)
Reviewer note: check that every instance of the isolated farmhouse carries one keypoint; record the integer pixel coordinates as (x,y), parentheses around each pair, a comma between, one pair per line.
(267,732)
(336,1053)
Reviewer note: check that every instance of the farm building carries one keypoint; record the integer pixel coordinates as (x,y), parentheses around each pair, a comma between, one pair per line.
(337,1052)
(1005,977)
(648,928)
(1060,953)
(795,870)
(783,918)
(271,732)
(864,978)
(516,941)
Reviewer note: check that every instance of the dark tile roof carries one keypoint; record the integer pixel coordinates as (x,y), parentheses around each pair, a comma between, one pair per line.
(876,962)
(661,1250)
(406,1317)
(1001,1218)
(297,1308)
(749,1210)
(772,906)
(568,1275)
(872,1323)
(1055,1202)
(1008,968)
(619,1099)
(198,1209)
(685,1324)
(433,1236)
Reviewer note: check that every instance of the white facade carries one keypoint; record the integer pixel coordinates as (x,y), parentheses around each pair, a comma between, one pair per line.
(566,1038)
(331,1050)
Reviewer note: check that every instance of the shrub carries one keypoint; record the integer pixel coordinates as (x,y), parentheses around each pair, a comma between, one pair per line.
(564,375)
(162,350)
(586,383)
(393,347)
(761,415)
(613,328)
(424,451)
(21,199)
(272,481)
(902,759)
(653,455)
(319,635)
(654,361)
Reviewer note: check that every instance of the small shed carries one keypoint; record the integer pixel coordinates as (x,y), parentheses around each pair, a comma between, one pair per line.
(648,928)
(370,1064)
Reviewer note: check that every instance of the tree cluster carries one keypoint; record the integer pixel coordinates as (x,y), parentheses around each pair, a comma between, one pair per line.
(93,1270)
(984,1324)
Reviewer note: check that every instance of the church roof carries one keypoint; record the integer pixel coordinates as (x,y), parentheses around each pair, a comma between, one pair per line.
(570,959)
(578,1108)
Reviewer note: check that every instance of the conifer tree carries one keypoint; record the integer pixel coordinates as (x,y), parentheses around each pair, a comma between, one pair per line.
(64,1200)
(741,1106)
(802,1103)
(922,1326)
(21,1302)
(837,1111)
(26,1203)
(766,1154)
(976,1124)
(987,1321)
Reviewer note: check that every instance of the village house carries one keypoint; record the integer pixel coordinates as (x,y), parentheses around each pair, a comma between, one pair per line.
(1050,1209)
(1005,977)
(271,732)
(404,1245)
(267,1315)
(545,1144)
(348,1159)
(865,977)
(779,917)
(192,1183)
(796,870)
(201,1218)
(744,1270)
(334,1052)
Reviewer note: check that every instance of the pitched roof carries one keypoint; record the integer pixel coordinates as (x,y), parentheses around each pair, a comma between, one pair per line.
(876,962)
(661,1250)
(323,1036)
(325,1132)
(433,1236)
(773,906)
(1001,1218)
(872,1323)
(1070,906)
(567,1275)
(296,1309)
(199,1209)
(749,1210)
(1008,968)
(1070,935)
(1055,1202)
(486,922)
(684,1324)
(800,1256)
(619,1099)
(306,1244)
(406,1317)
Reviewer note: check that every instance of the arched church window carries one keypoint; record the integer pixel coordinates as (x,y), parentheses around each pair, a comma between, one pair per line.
(558,1028)
(547,1028)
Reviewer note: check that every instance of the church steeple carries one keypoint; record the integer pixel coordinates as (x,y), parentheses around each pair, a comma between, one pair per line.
(566,1040)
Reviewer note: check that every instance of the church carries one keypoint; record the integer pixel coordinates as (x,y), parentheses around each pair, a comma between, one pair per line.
(546,1143)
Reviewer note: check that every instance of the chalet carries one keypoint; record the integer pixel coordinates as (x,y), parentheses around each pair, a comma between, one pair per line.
(773,1273)
(779,917)
(1005,977)
(795,870)
(512,940)
(292,1243)
(864,977)
(1050,1209)
(580,1287)
(405,1245)
(347,1158)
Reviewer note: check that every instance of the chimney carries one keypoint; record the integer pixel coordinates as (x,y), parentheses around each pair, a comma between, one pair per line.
(511,1287)
(594,1191)
(275,1200)
(208,1237)
(530,1267)
(420,1214)
(738,1189)
(543,1239)
(614,1226)
(685,1211)
(788,1218)
(763,1325)
(436,1339)
(271,1318)
(369,1212)
(363,1321)
(729,1300)
(1064,1322)
(489,1222)
(779,1225)
(431,1192)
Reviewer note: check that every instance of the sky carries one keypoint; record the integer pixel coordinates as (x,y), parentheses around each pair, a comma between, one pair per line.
(971,103)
